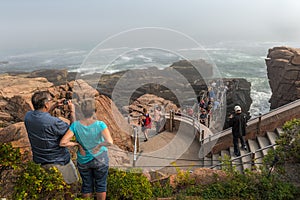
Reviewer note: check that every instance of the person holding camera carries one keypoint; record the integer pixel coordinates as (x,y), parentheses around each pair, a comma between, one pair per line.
(45,132)
(238,122)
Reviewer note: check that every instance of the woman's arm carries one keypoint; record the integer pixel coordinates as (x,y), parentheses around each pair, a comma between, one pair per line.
(108,141)
(66,140)
(107,136)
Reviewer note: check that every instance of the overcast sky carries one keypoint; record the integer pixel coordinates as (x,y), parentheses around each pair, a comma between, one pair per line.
(54,24)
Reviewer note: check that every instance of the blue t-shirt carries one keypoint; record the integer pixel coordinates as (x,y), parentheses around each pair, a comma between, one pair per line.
(88,137)
(44,133)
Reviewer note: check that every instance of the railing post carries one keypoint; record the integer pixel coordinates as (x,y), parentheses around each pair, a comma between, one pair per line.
(171,120)
(136,144)
(128,119)
(258,125)
(208,120)
(202,136)
(253,161)
(194,126)
(137,140)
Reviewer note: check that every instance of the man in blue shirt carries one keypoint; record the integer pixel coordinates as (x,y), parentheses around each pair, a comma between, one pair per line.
(45,132)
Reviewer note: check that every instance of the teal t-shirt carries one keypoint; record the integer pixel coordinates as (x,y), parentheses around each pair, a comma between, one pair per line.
(89,137)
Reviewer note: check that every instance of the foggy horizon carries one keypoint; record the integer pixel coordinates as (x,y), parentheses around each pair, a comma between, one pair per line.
(44,25)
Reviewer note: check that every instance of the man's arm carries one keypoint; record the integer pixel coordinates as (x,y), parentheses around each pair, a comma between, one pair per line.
(230,120)
(72,111)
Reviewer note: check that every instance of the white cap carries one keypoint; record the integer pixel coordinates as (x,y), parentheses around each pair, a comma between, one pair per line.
(237,108)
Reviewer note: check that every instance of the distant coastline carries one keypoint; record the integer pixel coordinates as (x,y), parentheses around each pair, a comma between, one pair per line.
(4,62)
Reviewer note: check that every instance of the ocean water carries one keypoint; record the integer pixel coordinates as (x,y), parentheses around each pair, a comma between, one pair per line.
(231,59)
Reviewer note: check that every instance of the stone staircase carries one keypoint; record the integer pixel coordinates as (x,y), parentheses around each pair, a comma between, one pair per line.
(258,146)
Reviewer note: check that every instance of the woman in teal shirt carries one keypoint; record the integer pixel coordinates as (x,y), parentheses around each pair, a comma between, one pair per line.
(92,137)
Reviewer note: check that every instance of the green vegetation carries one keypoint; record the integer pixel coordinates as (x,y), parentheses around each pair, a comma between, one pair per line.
(128,185)
(34,182)
(9,157)
(249,186)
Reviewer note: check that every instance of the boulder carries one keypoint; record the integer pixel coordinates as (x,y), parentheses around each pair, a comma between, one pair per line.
(238,89)
(57,77)
(283,66)
(16,134)
(15,101)
(15,96)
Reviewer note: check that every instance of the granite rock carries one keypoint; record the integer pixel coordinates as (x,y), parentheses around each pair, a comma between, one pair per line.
(283,66)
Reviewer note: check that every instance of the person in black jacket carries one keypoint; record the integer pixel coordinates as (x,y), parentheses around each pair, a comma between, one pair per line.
(238,122)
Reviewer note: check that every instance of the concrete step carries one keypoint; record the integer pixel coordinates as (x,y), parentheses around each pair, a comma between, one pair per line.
(272,136)
(236,162)
(201,163)
(279,131)
(223,154)
(246,160)
(263,142)
(207,162)
(253,146)
(216,160)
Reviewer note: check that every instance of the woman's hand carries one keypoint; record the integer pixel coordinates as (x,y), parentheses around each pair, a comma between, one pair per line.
(81,150)
(97,148)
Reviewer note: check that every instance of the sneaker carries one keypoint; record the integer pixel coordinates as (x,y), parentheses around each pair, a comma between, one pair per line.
(237,154)
(245,148)
(145,140)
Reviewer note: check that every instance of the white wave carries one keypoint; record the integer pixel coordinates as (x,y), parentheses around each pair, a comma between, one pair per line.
(260,95)
(76,52)
(126,58)
(145,59)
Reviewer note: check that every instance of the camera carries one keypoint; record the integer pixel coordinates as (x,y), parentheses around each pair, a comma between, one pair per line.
(65,102)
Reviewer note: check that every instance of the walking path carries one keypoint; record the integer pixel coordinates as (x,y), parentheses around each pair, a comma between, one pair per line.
(169,151)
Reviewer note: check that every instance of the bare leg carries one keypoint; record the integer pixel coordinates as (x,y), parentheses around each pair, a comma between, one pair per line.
(87,195)
(101,195)
(146,134)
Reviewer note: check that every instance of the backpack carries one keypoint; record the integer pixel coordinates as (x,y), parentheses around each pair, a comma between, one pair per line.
(147,122)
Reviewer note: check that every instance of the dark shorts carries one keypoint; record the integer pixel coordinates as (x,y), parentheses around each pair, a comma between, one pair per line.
(146,127)
(94,174)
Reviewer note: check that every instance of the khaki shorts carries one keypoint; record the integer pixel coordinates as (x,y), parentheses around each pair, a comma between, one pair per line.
(68,171)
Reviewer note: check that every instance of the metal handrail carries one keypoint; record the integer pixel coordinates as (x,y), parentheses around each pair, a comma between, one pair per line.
(251,121)
(228,131)
(247,154)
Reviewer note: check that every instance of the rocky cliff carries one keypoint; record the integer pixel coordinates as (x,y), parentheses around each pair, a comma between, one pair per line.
(283,66)
(180,76)
(15,101)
